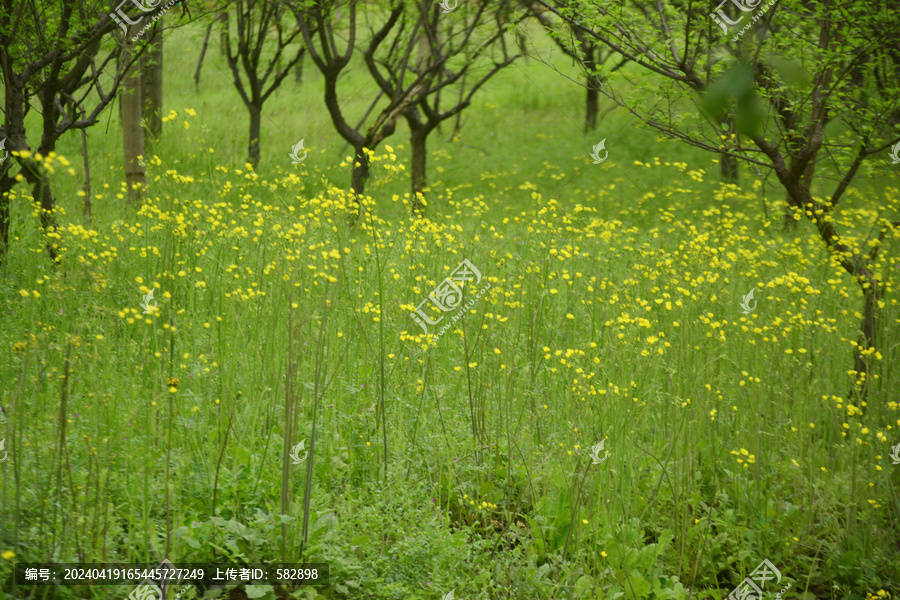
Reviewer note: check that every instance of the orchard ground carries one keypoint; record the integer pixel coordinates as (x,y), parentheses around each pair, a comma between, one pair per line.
(614,313)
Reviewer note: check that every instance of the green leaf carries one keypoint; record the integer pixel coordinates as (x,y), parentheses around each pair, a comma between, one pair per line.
(237,528)
(537,537)
(360,540)
(635,587)
(619,556)
(666,537)
(583,586)
(243,456)
(737,83)
(790,71)
(258,591)
(716,99)
(749,115)
(646,557)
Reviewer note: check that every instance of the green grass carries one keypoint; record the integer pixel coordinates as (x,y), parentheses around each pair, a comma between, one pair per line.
(735,444)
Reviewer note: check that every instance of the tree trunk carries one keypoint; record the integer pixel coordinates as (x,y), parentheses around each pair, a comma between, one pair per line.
(593,85)
(358,183)
(418,140)
(253,146)
(298,72)
(14,128)
(86,211)
(790,223)
(457,124)
(132,132)
(203,53)
(7,182)
(592,81)
(590,115)
(48,221)
(868,338)
(360,173)
(152,84)
(855,264)
(729,167)
(42,193)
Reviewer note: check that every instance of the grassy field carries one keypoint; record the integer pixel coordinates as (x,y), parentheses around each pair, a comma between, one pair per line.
(608,308)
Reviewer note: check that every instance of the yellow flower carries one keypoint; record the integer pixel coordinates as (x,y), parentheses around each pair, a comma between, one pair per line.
(7,554)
